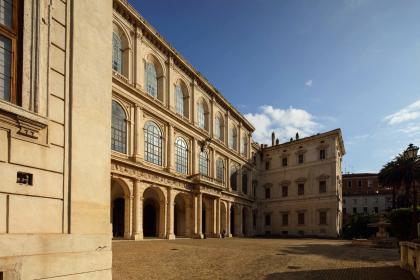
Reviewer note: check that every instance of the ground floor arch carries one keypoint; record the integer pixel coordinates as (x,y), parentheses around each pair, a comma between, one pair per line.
(120,209)
(232,220)
(223,220)
(154,213)
(182,215)
(245,221)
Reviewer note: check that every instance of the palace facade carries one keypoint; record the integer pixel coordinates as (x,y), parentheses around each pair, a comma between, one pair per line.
(145,148)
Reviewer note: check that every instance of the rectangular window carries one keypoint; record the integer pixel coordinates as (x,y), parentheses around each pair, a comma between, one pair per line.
(301,218)
(267,193)
(365,210)
(267,165)
(301,232)
(285,219)
(322,218)
(344,211)
(284,161)
(9,37)
(349,184)
(284,191)
(301,189)
(300,158)
(322,186)
(268,219)
(354,210)
(376,210)
(359,183)
(322,154)
(285,232)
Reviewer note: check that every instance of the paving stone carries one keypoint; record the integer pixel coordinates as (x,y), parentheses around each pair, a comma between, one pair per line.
(241,258)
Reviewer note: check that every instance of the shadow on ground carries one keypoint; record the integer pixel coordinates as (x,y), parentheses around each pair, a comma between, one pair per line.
(364,273)
(343,252)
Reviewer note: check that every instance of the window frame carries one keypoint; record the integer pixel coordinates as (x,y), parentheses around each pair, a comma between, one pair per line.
(203,163)
(179,100)
(118,130)
(181,155)
(150,155)
(220,169)
(14,34)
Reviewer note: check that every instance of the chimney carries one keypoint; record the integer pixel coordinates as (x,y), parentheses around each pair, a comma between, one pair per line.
(273,138)
(277,141)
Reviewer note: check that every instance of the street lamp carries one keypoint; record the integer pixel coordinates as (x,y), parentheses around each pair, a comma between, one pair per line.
(411,154)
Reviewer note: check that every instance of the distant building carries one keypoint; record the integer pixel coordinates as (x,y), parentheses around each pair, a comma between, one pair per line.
(299,189)
(364,195)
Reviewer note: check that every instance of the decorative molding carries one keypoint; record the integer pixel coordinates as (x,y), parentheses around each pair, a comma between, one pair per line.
(29,128)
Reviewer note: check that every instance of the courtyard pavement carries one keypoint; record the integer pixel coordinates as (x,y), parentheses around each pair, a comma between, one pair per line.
(242,258)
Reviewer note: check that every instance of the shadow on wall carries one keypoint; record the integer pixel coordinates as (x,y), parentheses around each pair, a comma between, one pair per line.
(343,252)
(362,273)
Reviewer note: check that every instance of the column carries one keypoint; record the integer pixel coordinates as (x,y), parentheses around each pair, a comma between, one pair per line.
(170,217)
(170,88)
(240,179)
(228,187)
(194,157)
(213,163)
(138,66)
(227,128)
(211,120)
(193,105)
(170,149)
(128,202)
(198,200)
(138,211)
(228,233)
(138,134)
(239,137)
(218,220)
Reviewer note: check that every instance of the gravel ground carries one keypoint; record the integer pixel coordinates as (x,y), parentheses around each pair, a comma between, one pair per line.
(242,258)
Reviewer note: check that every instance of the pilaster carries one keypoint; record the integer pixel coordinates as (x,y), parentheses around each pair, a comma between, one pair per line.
(170,217)
(138,134)
(198,204)
(138,211)
(170,155)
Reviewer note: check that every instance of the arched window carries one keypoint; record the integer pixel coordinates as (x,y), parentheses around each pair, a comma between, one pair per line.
(181,156)
(220,170)
(204,163)
(233,138)
(244,145)
(179,104)
(118,128)
(218,132)
(152,143)
(244,182)
(117,53)
(151,79)
(233,178)
(201,113)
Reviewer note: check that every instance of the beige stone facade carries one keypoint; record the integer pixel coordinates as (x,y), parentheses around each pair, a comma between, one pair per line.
(145,148)
(301,187)
(54,173)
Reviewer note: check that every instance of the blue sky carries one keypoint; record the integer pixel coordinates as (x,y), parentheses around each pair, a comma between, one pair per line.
(308,66)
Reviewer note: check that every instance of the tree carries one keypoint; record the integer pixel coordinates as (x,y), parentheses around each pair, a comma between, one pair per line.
(404,170)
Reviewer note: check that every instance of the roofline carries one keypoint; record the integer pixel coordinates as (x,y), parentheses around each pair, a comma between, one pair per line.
(336,131)
(147,27)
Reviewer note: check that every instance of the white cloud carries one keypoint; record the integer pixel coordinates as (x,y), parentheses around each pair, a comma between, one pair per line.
(308,83)
(284,122)
(409,113)
(357,139)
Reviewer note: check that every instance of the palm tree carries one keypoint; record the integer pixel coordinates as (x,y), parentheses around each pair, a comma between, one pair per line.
(404,170)
(392,175)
